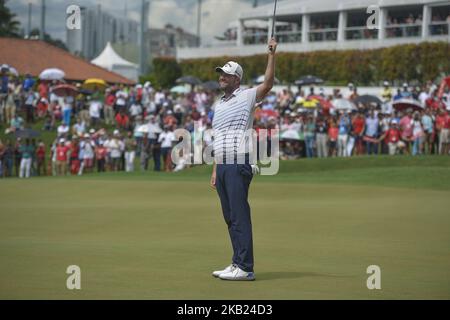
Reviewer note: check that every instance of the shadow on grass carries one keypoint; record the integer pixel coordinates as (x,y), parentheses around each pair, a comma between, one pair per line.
(263,276)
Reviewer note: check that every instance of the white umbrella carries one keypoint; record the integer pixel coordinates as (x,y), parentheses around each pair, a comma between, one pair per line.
(180,89)
(52,74)
(261,78)
(13,71)
(290,135)
(343,104)
(143,128)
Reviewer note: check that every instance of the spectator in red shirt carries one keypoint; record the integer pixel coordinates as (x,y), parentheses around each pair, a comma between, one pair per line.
(61,158)
(110,100)
(333,132)
(442,130)
(122,120)
(392,137)
(43,90)
(100,155)
(40,158)
(74,157)
(359,125)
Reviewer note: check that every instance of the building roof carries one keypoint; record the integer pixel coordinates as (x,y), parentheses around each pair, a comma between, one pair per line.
(109,58)
(297,7)
(33,56)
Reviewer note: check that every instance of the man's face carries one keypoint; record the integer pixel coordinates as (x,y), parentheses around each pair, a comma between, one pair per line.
(228,81)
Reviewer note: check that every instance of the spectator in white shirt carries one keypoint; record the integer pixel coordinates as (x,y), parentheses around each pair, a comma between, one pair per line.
(63,130)
(166,138)
(94,112)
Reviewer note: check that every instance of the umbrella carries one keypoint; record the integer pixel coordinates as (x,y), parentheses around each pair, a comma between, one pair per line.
(64,90)
(308,80)
(367,99)
(9,69)
(143,128)
(343,104)
(94,84)
(211,85)
(179,89)
(27,133)
(324,103)
(290,134)
(52,74)
(189,80)
(405,104)
(261,78)
(266,113)
(13,71)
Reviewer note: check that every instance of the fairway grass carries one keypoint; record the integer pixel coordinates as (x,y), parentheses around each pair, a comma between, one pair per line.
(317,226)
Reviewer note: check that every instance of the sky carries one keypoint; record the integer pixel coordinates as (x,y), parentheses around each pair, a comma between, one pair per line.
(216,14)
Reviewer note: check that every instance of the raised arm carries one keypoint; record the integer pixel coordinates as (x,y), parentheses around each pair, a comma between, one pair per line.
(263,89)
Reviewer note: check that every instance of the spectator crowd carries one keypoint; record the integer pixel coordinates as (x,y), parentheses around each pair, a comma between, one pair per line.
(129,128)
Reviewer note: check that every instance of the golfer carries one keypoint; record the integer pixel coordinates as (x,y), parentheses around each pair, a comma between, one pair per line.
(232,171)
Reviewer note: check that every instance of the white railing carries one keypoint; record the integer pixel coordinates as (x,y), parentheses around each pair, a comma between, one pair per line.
(289,36)
(403,30)
(329,34)
(360,33)
(439,28)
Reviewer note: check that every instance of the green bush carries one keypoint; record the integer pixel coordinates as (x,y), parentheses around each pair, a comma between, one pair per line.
(411,63)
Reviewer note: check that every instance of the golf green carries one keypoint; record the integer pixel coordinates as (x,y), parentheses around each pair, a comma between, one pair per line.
(318,225)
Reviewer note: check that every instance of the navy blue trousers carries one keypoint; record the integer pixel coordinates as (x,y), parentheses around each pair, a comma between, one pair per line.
(232,184)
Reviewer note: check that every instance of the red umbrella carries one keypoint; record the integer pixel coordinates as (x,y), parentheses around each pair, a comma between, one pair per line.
(405,104)
(266,113)
(64,90)
(323,102)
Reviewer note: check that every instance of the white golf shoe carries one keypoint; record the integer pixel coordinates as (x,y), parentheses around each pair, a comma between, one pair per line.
(237,274)
(231,267)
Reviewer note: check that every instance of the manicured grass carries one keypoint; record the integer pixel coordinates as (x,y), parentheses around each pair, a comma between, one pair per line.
(318,225)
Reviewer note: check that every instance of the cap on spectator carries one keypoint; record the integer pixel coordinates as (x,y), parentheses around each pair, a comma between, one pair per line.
(405,85)
(116,132)
(386,83)
(74,137)
(61,140)
(169,112)
(92,131)
(147,84)
(293,114)
(350,84)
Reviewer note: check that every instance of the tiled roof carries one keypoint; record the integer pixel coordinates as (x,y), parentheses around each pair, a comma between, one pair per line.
(33,56)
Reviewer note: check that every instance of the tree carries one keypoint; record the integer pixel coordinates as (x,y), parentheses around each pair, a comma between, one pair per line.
(9,27)
(47,38)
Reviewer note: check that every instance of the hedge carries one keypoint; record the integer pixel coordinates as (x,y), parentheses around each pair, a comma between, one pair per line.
(412,63)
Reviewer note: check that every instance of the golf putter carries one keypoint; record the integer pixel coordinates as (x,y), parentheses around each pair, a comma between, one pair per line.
(273,24)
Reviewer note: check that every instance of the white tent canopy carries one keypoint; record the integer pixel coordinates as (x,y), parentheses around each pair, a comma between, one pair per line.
(111,61)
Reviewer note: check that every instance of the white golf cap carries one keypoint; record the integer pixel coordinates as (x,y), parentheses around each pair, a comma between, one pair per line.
(386,83)
(233,68)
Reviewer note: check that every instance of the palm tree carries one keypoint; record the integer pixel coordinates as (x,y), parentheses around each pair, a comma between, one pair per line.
(8,26)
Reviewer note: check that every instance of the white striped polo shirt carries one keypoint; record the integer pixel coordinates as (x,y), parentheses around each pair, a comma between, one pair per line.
(232,118)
